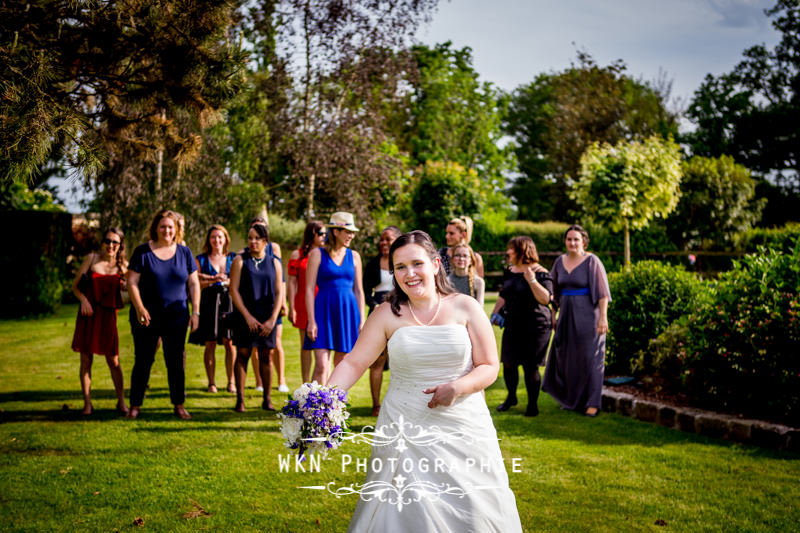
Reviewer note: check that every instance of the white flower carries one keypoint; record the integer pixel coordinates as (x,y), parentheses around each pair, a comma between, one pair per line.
(291,428)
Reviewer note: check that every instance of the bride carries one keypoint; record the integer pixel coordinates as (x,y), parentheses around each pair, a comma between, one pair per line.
(435,463)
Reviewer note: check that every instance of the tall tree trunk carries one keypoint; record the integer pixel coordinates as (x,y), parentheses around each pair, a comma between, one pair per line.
(307,110)
(627,245)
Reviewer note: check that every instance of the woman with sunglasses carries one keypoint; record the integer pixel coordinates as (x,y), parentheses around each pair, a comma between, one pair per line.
(313,238)
(98,285)
(336,312)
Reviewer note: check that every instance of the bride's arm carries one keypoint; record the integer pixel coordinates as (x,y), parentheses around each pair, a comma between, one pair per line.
(369,346)
(484,359)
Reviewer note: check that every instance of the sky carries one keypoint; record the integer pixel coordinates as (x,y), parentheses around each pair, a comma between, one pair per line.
(515,40)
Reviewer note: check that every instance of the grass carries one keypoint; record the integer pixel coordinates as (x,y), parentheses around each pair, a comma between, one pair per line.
(219,471)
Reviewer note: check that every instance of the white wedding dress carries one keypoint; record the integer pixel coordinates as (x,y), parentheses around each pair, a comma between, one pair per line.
(433,469)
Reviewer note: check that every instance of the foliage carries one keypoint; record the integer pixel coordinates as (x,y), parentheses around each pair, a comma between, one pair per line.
(741,350)
(16,196)
(716,203)
(451,116)
(287,233)
(663,353)
(332,130)
(36,262)
(646,299)
(751,113)
(84,79)
(442,192)
(782,239)
(557,116)
(627,185)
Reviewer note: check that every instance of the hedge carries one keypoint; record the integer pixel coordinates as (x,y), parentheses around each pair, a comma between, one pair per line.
(645,300)
(36,261)
(742,350)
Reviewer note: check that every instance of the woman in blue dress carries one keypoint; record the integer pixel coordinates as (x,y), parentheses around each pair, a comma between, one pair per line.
(336,313)
(257,293)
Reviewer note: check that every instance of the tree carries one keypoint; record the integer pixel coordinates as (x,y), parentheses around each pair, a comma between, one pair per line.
(443,191)
(83,80)
(717,203)
(627,185)
(451,116)
(752,112)
(333,135)
(557,116)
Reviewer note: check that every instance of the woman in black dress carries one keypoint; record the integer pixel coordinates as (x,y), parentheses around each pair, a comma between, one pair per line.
(214,267)
(525,295)
(377,285)
(257,293)
(574,373)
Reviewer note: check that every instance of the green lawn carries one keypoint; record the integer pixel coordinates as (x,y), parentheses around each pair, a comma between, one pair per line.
(219,471)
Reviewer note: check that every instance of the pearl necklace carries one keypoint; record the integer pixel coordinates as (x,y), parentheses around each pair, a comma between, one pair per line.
(429,322)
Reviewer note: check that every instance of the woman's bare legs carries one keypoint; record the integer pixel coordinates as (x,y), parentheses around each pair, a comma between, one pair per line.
(337,358)
(85,375)
(211,365)
(277,356)
(230,357)
(322,365)
(375,381)
(305,359)
(242,358)
(116,377)
(257,369)
(264,357)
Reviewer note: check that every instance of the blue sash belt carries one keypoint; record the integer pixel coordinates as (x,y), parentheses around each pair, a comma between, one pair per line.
(575,292)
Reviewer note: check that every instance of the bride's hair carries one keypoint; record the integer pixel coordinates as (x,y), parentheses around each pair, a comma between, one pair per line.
(397,297)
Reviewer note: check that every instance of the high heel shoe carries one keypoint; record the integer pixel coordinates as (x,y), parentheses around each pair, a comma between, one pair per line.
(506,405)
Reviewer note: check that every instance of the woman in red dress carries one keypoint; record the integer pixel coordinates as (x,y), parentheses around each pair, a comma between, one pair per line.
(98,285)
(313,237)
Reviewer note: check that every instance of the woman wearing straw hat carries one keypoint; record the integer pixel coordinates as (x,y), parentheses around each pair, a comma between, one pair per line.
(336,312)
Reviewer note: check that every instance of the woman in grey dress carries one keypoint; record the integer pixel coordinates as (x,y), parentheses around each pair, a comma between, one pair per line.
(574,372)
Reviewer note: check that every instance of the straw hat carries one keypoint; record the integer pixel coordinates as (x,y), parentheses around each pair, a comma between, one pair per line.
(343,220)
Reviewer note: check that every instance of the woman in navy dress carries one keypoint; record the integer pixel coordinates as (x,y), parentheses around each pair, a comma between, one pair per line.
(574,371)
(336,313)
(159,274)
(214,267)
(257,293)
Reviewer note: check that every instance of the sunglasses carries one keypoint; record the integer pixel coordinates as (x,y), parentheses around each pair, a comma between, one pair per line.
(321,232)
(110,242)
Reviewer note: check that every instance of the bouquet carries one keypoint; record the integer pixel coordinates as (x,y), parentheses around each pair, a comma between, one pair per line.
(314,419)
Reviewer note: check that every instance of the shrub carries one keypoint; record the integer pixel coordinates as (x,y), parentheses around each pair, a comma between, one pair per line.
(645,299)
(38,262)
(742,350)
(662,356)
(782,238)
